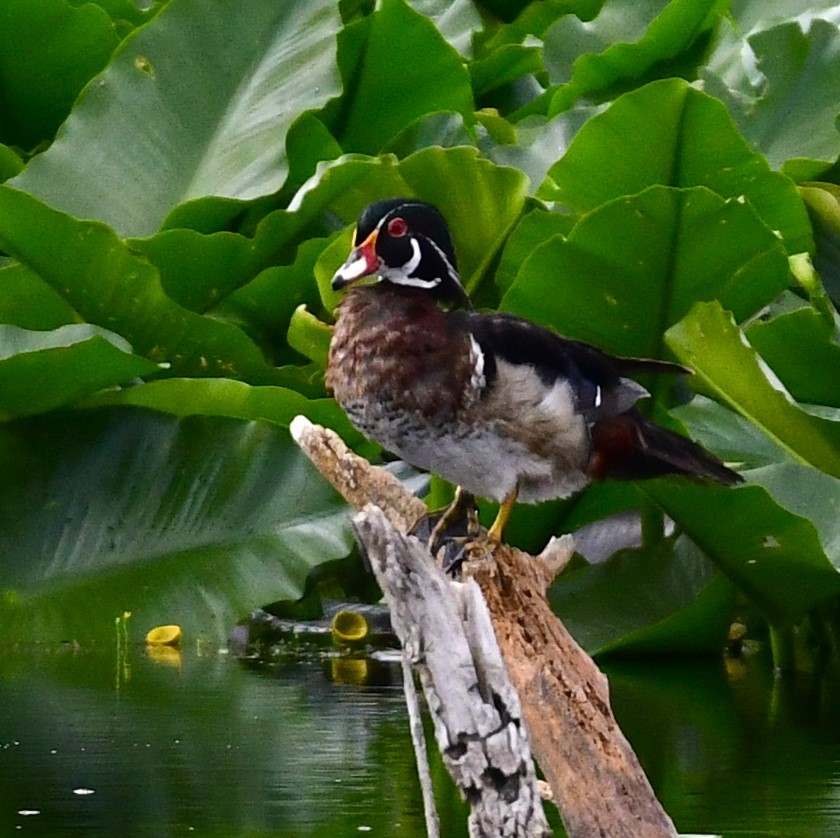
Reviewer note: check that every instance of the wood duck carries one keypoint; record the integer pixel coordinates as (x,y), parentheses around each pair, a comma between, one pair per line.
(501,407)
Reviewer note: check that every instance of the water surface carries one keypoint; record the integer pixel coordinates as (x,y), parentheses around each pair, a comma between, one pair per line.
(203,744)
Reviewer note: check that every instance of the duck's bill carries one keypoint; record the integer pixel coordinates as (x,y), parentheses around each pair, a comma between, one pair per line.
(362,261)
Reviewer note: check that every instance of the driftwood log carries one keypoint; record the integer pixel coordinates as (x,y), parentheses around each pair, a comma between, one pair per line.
(595,778)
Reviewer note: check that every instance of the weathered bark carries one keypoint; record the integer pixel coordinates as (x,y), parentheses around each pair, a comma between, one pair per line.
(446,632)
(595,778)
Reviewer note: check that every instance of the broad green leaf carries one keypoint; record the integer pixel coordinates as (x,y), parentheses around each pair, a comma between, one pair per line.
(728,368)
(503,66)
(809,493)
(676,246)
(729,435)
(457,21)
(773,555)
(406,70)
(10,163)
(583,58)
(196,270)
(823,202)
(190,521)
(443,128)
(669,133)
(309,336)
(667,600)
(535,228)
(480,201)
(29,302)
(184,397)
(40,371)
(49,50)
(308,142)
(265,306)
(541,143)
(110,286)
(755,15)
(788,112)
(197,102)
(802,348)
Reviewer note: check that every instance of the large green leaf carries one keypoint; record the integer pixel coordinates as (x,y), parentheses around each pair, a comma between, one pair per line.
(191,521)
(29,302)
(732,437)
(788,110)
(40,371)
(197,270)
(669,133)
(667,600)
(233,399)
(49,49)
(593,56)
(402,70)
(195,103)
(728,368)
(456,20)
(635,266)
(802,348)
(110,286)
(776,557)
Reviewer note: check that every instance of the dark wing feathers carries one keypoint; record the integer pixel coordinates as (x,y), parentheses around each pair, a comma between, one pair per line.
(596,376)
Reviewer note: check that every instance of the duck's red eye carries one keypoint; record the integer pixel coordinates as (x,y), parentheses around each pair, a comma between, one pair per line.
(397,227)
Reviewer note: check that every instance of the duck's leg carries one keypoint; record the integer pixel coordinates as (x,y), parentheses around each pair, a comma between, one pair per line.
(462,507)
(496,532)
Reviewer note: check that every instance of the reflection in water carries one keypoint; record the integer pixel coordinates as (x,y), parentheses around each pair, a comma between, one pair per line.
(211,746)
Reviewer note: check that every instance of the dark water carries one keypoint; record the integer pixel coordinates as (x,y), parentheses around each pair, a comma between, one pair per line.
(207,745)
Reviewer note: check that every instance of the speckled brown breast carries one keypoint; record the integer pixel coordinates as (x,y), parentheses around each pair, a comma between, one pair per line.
(410,377)
(394,348)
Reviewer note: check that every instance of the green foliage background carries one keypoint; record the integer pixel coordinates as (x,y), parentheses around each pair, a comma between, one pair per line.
(179,184)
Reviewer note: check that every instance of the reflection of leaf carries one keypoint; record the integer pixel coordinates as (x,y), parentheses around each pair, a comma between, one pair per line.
(197,102)
(676,246)
(190,521)
(728,368)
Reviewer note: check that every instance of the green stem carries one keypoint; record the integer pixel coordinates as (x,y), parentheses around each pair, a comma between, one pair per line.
(782,647)
(653,524)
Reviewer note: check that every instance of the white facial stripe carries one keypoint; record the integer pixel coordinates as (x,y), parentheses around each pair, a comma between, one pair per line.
(411,265)
(413,281)
(402,275)
(453,274)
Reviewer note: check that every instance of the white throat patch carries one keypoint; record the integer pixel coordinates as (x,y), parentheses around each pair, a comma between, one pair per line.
(402,275)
